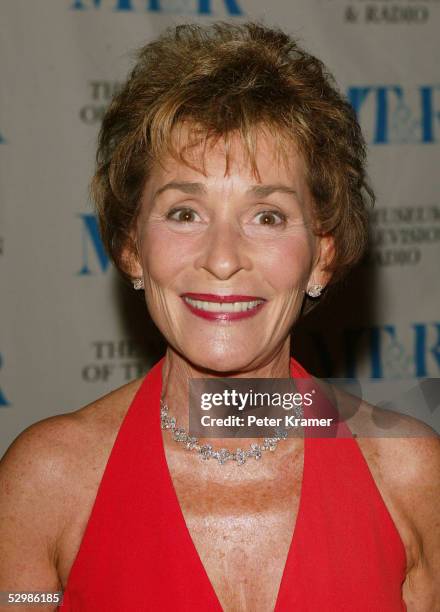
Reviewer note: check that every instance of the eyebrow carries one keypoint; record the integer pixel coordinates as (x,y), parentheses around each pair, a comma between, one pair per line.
(260,191)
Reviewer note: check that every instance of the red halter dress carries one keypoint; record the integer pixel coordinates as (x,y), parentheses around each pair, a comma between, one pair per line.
(137,554)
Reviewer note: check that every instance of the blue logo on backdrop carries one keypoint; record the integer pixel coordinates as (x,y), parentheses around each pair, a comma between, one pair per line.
(381,353)
(2,139)
(392,114)
(92,243)
(3,401)
(184,7)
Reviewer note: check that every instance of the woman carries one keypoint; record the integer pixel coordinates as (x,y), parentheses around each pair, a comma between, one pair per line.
(231,188)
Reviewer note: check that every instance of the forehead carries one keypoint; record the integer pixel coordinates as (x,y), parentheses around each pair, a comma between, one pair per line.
(262,158)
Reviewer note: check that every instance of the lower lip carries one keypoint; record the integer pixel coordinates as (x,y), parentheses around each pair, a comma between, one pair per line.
(224,316)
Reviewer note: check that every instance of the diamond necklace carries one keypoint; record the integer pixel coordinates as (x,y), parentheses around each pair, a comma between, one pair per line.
(206,451)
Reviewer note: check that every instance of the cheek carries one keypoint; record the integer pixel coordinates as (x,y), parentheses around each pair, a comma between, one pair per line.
(288,261)
(163,254)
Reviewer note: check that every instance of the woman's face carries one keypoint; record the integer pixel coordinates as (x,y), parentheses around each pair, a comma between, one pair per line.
(201,238)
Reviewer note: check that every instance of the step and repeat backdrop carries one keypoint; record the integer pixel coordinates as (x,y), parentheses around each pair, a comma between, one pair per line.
(71,329)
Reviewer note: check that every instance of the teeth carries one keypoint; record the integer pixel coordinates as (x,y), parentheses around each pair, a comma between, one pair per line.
(223,306)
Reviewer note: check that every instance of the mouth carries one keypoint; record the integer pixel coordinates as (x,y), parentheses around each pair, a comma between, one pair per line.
(223,307)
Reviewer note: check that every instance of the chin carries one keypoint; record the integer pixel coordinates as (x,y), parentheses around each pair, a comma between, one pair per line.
(207,359)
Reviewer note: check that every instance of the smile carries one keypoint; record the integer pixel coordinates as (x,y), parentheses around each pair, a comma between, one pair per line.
(226,309)
(222,307)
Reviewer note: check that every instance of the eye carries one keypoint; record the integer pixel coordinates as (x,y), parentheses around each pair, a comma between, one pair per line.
(182,215)
(270,217)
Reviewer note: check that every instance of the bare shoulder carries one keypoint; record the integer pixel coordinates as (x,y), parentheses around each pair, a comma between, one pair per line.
(404,450)
(47,474)
(53,441)
(403,454)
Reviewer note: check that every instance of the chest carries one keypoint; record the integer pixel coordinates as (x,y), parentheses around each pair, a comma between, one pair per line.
(240,522)
(241,528)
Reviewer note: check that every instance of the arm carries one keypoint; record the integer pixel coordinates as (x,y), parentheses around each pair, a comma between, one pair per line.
(421,589)
(32,506)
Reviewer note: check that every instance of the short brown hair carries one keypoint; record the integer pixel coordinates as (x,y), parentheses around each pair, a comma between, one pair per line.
(225,79)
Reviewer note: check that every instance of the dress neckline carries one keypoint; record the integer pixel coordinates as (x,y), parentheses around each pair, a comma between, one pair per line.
(192,549)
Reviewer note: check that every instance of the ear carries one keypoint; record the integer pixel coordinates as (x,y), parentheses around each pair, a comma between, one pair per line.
(130,260)
(324,257)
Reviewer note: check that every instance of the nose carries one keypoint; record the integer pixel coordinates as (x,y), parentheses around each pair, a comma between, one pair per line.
(224,251)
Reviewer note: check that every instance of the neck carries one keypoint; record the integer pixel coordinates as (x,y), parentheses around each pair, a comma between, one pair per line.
(177,371)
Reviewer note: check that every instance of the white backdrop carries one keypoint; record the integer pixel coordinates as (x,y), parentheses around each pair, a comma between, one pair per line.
(70,328)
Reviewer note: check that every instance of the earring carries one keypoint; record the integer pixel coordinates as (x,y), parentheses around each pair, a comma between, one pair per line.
(138,283)
(314,291)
